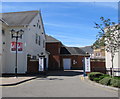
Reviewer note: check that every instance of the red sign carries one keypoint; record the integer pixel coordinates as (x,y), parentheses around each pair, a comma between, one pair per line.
(19,46)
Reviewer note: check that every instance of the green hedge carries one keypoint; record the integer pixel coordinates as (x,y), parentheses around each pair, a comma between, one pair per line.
(118,77)
(115,83)
(105,81)
(95,76)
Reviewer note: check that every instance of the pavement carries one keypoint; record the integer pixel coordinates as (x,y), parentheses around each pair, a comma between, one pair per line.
(11,81)
(58,84)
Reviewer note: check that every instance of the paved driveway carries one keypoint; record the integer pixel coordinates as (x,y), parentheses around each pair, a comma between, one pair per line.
(58,84)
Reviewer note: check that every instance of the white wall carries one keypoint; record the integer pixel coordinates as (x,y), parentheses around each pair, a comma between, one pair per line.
(29,46)
(9,57)
(116,61)
(108,60)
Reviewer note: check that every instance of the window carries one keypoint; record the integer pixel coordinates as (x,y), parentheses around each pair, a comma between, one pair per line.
(11,35)
(3,32)
(43,43)
(36,38)
(20,36)
(34,57)
(39,40)
(39,26)
(34,25)
(97,54)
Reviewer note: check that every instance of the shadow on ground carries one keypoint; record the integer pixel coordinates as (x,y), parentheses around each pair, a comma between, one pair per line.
(49,79)
(64,73)
(67,73)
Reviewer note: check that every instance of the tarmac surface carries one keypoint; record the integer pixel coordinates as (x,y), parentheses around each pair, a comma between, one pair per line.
(57,84)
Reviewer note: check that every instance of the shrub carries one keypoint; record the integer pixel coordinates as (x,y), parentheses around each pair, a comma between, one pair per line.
(115,83)
(117,77)
(106,75)
(105,81)
(94,75)
(96,79)
(101,77)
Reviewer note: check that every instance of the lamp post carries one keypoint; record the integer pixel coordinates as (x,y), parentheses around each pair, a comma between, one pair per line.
(16,35)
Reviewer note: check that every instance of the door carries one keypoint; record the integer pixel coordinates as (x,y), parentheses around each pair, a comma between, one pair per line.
(67,63)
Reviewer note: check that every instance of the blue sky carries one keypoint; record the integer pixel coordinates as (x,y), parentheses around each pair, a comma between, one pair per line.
(70,22)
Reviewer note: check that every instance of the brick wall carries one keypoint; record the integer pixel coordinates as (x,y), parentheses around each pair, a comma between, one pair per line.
(54,58)
(98,66)
(53,48)
(32,66)
(76,61)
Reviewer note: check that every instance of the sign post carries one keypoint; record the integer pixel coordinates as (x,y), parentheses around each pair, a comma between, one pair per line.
(86,66)
(41,64)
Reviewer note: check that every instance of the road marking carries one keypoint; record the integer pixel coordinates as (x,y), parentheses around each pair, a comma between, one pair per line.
(82,78)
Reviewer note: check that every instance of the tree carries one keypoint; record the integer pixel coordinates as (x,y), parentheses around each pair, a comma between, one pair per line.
(109,35)
(98,43)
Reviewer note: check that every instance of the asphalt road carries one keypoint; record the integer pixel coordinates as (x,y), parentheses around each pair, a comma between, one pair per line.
(58,84)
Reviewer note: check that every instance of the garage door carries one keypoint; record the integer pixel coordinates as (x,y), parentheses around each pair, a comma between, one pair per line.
(67,63)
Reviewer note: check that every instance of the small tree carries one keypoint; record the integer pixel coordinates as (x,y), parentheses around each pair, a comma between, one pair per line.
(109,35)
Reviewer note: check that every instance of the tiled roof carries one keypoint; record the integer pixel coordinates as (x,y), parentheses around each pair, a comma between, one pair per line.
(19,18)
(72,51)
(87,49)
(51,39)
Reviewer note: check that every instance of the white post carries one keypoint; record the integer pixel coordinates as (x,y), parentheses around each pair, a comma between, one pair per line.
(41,64)
(87,65)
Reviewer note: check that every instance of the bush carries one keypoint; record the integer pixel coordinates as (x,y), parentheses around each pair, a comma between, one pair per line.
(106,75)
(117,77)
(115,83)
(96,79)
(105,81)
(95,76)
